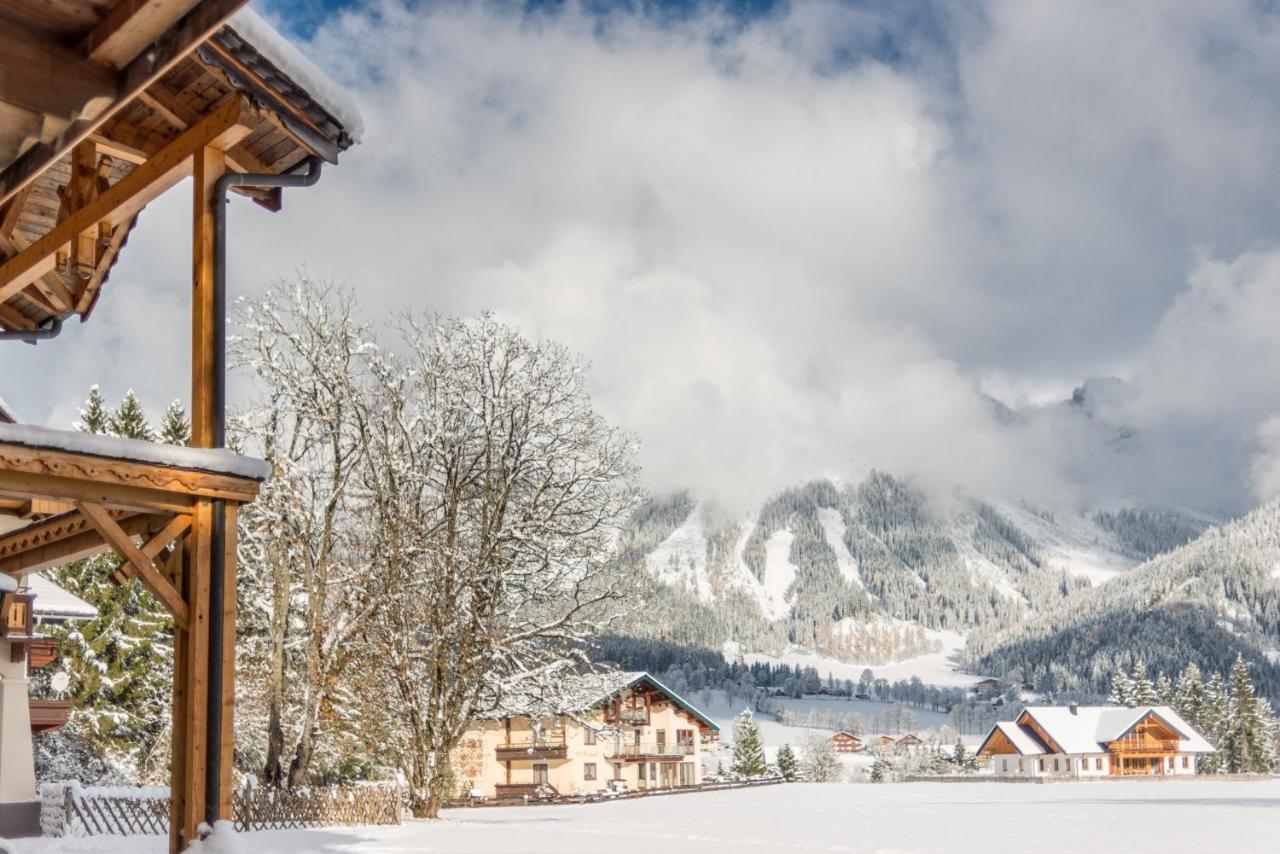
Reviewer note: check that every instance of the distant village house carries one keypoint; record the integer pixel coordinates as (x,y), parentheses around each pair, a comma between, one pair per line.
(638,734)
(846,742)
(1094,741)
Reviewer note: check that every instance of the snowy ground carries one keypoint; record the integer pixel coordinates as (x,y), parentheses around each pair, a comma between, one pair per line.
(921,818)
(937,668)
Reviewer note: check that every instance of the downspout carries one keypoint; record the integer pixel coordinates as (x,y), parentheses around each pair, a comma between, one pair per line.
(217,568)
(50,328)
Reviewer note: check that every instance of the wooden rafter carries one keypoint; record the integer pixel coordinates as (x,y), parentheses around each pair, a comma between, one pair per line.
(165,103)
(130,26)
(42,76)
(219,129)
(148,66)
(150,575)
(57,541)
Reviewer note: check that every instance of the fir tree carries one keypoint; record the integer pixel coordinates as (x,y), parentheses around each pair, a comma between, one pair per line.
(748,747)
(1214,719)
(1247,746)
(1189,700)
(1122,689)
(1165,693)
(129,421)
(94,417)
(821,765)
(880,769)
(962,759)
(788,765)
(175,429)
(1144,693)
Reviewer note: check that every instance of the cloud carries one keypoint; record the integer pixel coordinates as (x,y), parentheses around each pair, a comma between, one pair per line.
(798,245)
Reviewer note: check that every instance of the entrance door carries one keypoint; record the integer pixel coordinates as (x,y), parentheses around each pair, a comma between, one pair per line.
(540,775)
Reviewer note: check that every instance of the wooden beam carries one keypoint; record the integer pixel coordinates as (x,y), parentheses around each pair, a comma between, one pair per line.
(150,575)
(88,295)
(130,26)
(178,526)
(44,77)
(162,100)
(150,65)
(15,320)
(227,783)
(10,212)
(220,129)
(209,167)
(77,546)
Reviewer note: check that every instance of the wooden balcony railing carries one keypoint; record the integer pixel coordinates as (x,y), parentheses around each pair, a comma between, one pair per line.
(48,715)
(653,751)
(547,747)
(1150,745)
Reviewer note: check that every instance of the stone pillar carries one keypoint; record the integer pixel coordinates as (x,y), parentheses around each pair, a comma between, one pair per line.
(19,809)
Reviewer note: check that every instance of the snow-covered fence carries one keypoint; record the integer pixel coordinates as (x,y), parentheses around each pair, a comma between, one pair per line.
(72,810)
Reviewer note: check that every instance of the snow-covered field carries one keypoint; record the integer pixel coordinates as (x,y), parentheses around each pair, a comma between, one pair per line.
(935,668)
(920,818)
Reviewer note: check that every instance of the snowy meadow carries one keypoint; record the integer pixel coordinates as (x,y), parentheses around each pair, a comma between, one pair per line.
(921,818)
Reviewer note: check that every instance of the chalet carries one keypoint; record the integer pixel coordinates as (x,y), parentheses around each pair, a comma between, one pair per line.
(886,741)
(989,688)
(1093,741)
(846,742)
(908,743)
(633,732)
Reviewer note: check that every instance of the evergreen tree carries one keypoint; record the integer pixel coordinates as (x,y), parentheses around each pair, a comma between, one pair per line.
(788,764)
(1189,699)
(748,747)
(94,417)
(1122,689)
(962,759)
(1165,693)
(1247,746)
(129,421)
(175,428)
(1214,718)
(880,769)
(1144,693)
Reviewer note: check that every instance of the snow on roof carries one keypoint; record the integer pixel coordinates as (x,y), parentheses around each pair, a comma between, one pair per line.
(587,691)
(1089,728)
(281,53)
(1025,743)
(6,413)
(215,460)
(53,602)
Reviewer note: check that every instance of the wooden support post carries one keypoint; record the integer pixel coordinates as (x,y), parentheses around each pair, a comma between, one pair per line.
(210,164)
(226,781)
(178,750)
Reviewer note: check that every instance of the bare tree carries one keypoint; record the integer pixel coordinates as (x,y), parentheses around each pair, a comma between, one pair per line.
(305,576)
(495,495)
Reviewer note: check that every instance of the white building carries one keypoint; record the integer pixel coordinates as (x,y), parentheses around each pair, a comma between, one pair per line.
(1093,741)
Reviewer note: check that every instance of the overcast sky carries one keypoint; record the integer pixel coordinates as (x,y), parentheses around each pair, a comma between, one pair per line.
(799,240)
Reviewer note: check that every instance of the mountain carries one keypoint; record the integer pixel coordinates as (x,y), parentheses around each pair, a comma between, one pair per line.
(874,572)
(1206,601)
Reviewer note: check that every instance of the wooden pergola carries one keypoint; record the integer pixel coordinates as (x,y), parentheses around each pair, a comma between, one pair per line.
(104,106)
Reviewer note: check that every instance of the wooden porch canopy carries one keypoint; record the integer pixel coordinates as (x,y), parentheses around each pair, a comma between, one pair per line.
(102,105)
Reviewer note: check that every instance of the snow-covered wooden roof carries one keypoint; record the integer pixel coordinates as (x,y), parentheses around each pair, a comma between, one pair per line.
(1088,729)
(56,603)
(92,92)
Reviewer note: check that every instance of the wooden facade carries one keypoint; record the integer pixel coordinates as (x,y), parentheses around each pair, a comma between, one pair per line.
(846,742)
(103,108)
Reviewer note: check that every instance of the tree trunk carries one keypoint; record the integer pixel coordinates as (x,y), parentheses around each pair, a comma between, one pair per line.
(273,770)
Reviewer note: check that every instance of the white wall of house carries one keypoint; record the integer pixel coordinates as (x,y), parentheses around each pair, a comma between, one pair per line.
(1083,766)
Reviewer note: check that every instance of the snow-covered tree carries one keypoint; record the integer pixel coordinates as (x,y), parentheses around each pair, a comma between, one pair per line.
(788,764)
(1248,744)
(1189,699)
(1166,694)
(94,415)
(175,427)
(1214,721)
(1122,689)
(748,747)
(1144,692)
(495,496)
(880,769)
(129,421)
(820,764)
(306,545)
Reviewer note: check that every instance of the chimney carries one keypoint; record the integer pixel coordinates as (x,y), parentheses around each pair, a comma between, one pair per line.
(1075,710)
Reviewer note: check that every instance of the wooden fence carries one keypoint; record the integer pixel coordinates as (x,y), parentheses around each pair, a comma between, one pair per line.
(76,811)
(600,797)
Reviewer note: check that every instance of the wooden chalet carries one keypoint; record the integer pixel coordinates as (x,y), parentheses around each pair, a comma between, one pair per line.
(846,742)
(104,106)
(1094,741)
(633,734)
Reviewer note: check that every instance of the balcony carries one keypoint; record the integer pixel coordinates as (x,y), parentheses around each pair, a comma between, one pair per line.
(547,747)
(653,752)
(1146,745)
(48,715)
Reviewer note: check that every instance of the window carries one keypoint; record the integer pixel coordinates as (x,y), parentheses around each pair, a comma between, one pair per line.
(588,770)
(1170,763)
(642,767)
(1185,763)
(588,735)
(1097,763)
(1055,763)
(637,735)
(1041,764)
(1004,765)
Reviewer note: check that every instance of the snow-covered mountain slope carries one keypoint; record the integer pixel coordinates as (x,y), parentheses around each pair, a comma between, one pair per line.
(813,566)
(1206,601)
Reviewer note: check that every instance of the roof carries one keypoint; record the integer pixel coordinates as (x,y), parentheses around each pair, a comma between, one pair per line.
(1088,729)
(591,690)
(215,460)
(55,603)
(6,413)
(846,732)
(95,89)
